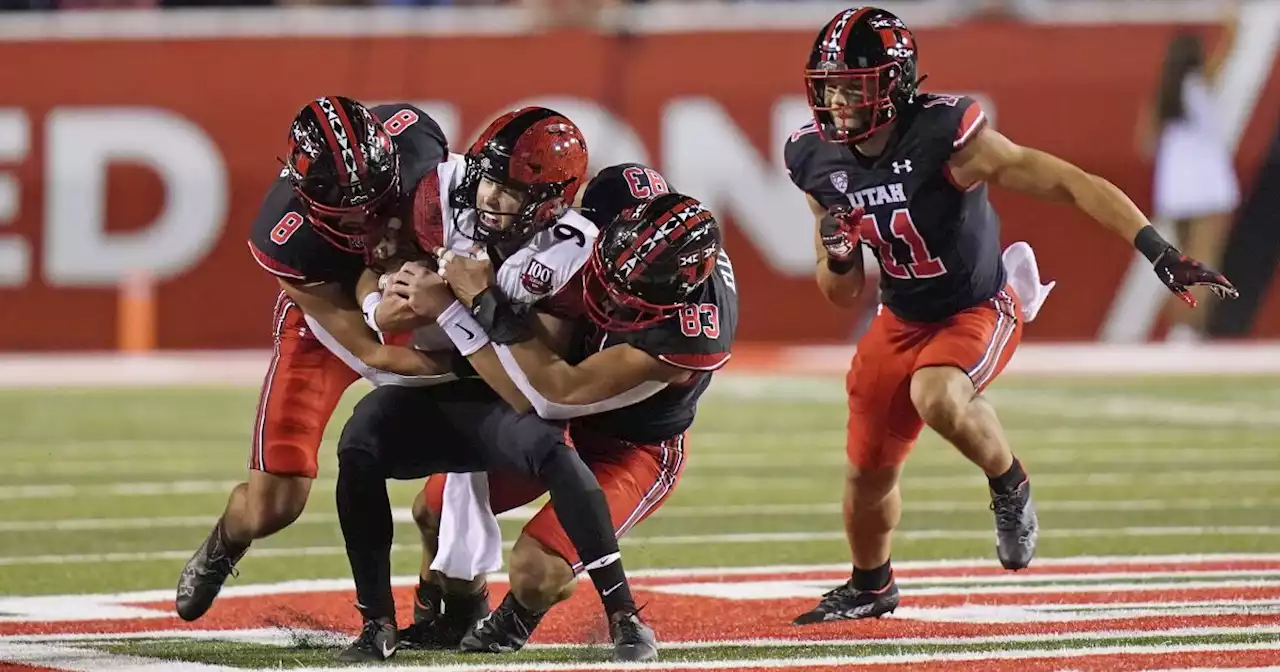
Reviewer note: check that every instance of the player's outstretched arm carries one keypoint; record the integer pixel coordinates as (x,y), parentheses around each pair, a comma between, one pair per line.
(334,308)
(993,158)
(839,272)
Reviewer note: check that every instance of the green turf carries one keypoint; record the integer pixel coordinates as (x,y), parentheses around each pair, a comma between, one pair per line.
(1150,443)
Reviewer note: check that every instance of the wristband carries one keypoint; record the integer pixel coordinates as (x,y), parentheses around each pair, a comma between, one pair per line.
(370,306)
(505,323)
(1151,244)
(467,334)
(842,267)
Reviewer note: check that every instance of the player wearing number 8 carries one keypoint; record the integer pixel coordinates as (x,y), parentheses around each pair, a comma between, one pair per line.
(906,173)
(348,168)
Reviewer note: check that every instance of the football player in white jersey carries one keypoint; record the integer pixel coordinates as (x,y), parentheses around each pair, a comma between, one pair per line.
(507,200)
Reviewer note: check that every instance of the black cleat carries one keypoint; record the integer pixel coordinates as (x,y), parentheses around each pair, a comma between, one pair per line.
(378,641)
(206,571)
(1016,526)
(504,630)
(440,625)
(633,639)
(847,603)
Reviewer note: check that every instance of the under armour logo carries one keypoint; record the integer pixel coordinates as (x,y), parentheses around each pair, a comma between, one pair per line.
(903,166)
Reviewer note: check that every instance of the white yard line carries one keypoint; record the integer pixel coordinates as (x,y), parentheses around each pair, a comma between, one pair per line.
(839,661)
(1111,562)
(676,540)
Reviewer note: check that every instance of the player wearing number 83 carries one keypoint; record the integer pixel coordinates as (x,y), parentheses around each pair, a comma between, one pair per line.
(906,173)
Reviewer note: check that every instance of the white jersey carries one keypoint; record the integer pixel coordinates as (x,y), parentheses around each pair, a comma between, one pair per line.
(546,270)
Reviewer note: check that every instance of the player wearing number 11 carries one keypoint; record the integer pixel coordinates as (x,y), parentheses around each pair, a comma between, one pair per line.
(906,173)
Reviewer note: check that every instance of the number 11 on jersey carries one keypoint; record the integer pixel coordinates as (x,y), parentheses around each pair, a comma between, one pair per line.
(922,263)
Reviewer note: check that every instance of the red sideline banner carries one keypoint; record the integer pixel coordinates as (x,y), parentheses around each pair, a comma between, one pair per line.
(154,153)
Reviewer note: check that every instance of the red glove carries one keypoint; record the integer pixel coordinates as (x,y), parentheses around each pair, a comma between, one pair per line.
(839,232)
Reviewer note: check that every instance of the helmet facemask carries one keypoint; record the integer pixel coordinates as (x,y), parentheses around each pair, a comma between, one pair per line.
(851,104)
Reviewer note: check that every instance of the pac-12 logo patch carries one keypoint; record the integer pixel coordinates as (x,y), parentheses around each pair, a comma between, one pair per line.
(537,277)
(840,180)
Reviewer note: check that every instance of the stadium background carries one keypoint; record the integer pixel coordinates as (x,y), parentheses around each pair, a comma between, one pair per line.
(135,148)
(144,143)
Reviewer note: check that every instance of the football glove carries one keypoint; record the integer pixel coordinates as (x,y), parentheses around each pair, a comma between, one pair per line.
(1178,272)
(839,232)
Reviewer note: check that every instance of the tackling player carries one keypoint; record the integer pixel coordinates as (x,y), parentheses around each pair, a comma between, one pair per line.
(348,169)
(637,476)
(506,201)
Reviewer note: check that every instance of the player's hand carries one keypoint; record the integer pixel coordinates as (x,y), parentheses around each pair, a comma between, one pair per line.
(1179,272)
(467,277)
(427,293)
(839,231)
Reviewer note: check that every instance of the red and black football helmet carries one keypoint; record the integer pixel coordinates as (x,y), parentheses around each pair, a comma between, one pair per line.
(534,150)
(870,53)
(648,261)
(343,166)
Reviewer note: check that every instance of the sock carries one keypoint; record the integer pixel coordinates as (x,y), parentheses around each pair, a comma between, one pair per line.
(465,606)
(583,511)
(528,617)
(371,569)
(1010,479)
(231,549)
(611,582)
(427,600)
(364,512)
(872,579)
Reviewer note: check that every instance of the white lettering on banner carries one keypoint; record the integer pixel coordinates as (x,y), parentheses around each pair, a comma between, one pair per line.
(706,155)
(15,142)
(80,143)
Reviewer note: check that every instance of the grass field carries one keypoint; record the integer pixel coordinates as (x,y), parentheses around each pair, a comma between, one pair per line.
(105,493)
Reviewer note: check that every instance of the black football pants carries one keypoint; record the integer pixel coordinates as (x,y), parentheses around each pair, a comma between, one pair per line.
(412,432)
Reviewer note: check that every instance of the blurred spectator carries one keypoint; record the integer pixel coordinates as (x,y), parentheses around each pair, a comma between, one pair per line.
(1195,182)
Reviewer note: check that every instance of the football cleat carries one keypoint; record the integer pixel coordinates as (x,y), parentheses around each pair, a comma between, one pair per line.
(442,625)
(847,603)
(206,571)
(503,630)
(633,639)
(1017,527)
(378,641)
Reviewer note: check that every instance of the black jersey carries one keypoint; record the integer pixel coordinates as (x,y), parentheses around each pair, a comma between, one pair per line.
(698,338)
(938,245)
(282,241)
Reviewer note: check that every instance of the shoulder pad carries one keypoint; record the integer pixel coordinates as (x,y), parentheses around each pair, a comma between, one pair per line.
(548,264)
(700,336)
(954,120)
(421,141)
(284,244)
(800,147)
(619,187)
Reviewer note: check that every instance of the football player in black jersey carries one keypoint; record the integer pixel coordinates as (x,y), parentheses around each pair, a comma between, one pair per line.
(906,173)
(663,309)
(636,479)
(348,168)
